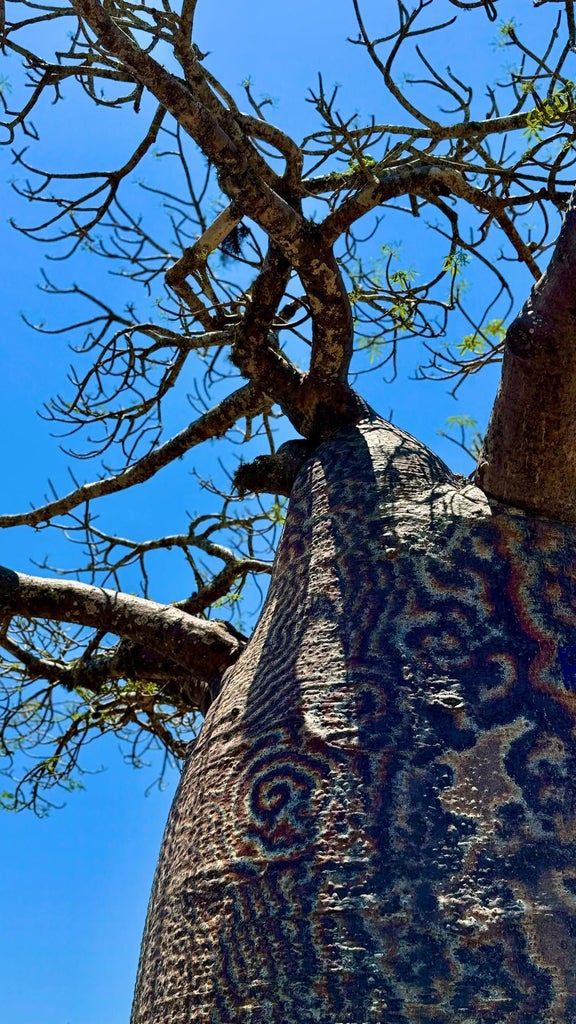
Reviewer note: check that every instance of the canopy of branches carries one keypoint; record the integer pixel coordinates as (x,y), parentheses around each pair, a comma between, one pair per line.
(254,281)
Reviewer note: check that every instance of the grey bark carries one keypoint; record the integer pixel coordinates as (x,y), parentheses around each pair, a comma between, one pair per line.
(159,631)
(377,823)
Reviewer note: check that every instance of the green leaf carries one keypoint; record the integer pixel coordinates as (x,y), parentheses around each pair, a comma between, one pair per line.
(552,109)
(455,261)
(496,329)
(477,343)
(404,278)
(461,421)
(278,513)
(372,345)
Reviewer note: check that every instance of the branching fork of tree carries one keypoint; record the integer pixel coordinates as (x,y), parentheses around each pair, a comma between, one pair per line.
(271,299)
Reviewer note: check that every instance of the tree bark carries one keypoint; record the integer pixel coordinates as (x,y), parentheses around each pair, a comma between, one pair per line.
(376,825)
(161,633)
(529,452)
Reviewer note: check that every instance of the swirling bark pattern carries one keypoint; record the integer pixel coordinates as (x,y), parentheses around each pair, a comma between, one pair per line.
(377,824)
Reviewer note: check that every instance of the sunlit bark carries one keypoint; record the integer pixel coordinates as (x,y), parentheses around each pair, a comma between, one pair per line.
(377,821)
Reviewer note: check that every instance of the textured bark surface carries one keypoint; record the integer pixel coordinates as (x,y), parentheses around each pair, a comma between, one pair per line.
(377,823)
(529,452)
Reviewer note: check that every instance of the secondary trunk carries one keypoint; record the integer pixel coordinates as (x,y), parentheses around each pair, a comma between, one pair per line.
(377,823)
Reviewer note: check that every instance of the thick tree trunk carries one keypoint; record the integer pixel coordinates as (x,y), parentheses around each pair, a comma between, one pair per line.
(529,452)
(377,823)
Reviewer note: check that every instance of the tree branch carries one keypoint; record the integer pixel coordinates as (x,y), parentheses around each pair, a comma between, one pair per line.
(428,181)
(203,648)
(176,95)
(247,401)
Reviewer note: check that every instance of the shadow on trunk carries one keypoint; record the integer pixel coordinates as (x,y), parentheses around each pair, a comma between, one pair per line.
(377,821)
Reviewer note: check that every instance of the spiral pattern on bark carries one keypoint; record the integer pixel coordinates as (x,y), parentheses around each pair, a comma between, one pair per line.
(377,823)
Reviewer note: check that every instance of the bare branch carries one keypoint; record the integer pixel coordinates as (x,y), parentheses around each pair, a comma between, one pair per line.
(311,281)
(429,182)
(247,401)
(202,647)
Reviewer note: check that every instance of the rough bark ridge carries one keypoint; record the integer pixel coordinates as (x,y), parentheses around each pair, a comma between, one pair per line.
(377,823)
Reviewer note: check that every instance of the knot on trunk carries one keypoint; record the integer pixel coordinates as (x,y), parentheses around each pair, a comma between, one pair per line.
(273,474)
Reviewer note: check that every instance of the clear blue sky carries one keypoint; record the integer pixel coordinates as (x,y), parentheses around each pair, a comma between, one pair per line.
(75,885)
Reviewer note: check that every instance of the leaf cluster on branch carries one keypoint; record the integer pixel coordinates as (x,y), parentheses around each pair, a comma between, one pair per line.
(264,299)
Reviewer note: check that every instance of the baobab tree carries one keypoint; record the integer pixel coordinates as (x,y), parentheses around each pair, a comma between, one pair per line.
(375,821)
